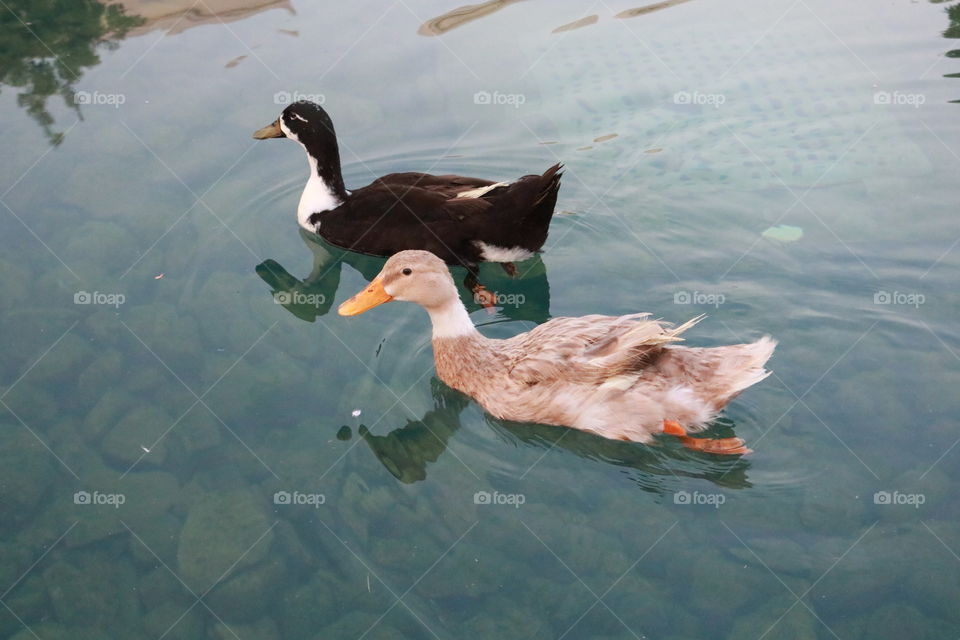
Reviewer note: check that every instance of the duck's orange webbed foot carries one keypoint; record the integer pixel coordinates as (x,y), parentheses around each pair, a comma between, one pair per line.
(720,446)
(484,297)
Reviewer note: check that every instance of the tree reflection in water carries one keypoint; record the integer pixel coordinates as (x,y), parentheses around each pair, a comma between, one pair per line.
(45,46)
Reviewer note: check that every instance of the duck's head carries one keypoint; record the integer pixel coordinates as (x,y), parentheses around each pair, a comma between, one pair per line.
(308,123)
(411,276)
(301,121)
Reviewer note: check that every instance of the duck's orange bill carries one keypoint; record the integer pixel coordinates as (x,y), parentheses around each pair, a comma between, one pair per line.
(367,299)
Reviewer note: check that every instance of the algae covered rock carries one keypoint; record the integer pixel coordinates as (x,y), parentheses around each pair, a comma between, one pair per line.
(142,427)
(159,587)
(226,531)
(240,596)
(511,622)
(103,373)
(93,590)
(898,620)
(355,623)
(262,629)
(769,620)
(63,361)
(26,473)
(198,430)
(30,602)
(172,335)
(174,621)
(108,410)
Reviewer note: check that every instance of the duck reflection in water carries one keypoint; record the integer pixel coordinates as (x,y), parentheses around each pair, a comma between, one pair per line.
(525,296)
(407,451)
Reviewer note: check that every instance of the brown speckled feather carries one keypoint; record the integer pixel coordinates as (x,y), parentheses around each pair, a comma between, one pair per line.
(618,376)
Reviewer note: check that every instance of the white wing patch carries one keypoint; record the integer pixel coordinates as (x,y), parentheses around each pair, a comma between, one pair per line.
(480,191)
(493,253)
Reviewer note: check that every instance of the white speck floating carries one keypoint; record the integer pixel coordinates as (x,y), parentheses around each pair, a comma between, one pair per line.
(356,413)
(783,233)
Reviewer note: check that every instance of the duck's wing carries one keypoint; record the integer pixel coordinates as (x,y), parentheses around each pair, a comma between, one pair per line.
(449,185)
(426,205)
(589,349)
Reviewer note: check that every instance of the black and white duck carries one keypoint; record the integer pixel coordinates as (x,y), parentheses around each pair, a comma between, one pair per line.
(461,220)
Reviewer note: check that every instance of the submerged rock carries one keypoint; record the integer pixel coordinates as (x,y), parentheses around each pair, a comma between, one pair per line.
(30,602)
(94,590)
(102,374)
(197,431)
(355,623)
(26,474)
(768,620)
(159,587)
(108,410)
(141,427)
(62,362)
(226,531)
(175,622)
(898,620)
(240,596)
(262,629)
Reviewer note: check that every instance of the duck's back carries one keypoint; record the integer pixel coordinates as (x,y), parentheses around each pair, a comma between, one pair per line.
(460,219)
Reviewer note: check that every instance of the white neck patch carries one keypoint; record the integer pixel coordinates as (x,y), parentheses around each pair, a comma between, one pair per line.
(451,321)
(317,197)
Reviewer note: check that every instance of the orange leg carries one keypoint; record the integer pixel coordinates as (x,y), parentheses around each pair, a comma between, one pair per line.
(483,296)
(721,446)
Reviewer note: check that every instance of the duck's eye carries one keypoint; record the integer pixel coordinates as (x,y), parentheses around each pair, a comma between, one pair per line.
(407,271)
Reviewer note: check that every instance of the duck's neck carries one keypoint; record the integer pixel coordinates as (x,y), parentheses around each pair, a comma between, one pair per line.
(451,320)
(461,354)
(324,191)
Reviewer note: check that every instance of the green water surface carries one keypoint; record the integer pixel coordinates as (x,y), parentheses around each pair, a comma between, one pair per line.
(194,445)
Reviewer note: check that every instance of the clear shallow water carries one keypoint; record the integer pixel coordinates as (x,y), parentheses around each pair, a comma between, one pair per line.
(729,120)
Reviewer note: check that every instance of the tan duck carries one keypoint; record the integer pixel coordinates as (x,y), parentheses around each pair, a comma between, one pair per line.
(617,376)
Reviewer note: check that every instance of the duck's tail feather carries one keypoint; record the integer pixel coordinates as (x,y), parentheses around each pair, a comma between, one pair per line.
(550,186)
(537,220)
(740,366)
